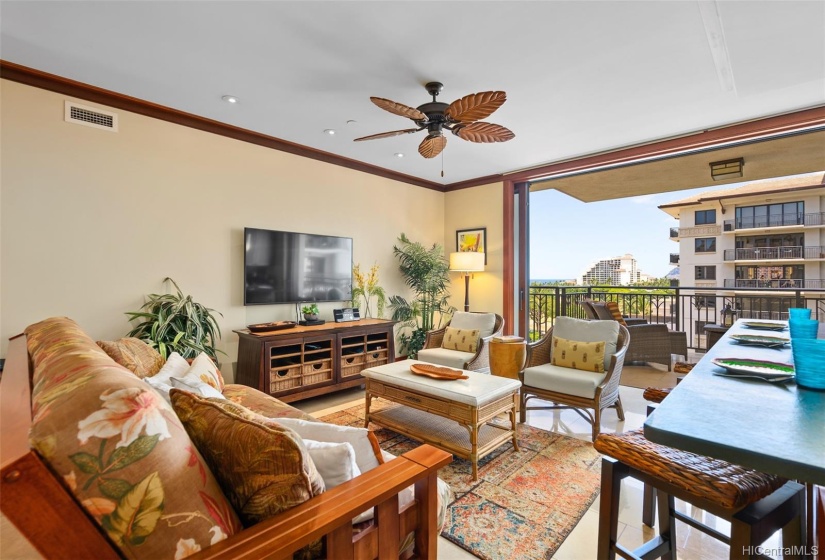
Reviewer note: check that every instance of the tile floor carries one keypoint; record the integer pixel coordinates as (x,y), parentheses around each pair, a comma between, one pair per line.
(581,543)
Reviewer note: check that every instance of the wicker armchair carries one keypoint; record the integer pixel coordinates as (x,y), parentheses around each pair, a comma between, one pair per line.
(598,310)
(606,392)
(480,361)
(648,342)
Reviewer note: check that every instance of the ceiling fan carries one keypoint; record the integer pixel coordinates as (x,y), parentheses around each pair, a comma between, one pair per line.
(461,117)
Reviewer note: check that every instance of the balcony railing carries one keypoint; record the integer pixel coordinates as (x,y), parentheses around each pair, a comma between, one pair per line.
(791,283)
(774,253)
(674,258)
(811,219)
(686,309)
(674,233)
(700,231)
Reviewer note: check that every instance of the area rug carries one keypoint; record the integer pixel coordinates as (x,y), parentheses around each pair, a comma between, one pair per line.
(643,377)
(524,503)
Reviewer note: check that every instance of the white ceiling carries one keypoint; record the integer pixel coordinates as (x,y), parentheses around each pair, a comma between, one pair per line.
(581,77)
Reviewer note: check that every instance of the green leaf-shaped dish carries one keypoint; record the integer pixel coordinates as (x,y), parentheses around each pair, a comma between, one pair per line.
(761,368)
(764,325)
(760,340)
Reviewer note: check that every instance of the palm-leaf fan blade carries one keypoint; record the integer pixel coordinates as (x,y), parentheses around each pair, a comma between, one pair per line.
(399,109)
(431,146)
(483,132)
(475,106)
(388,134)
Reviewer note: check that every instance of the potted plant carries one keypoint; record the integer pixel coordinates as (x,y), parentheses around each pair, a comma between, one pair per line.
(426,272)
(310,312)
(177,323)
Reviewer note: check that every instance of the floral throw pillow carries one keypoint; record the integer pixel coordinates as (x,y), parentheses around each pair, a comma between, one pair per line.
(133,354)
(121,449)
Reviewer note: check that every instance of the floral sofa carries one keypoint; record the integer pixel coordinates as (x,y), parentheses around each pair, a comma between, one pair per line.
(95,463)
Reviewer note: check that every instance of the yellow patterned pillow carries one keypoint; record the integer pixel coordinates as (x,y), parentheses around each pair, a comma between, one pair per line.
(134,354)
(465,340)
(586,356)
(613,307)
(262,467)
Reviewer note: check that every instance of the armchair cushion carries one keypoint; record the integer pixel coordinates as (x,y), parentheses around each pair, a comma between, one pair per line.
(464,340)
(584,356)
(443,357)
(484,323)
(589,331)
(563,380)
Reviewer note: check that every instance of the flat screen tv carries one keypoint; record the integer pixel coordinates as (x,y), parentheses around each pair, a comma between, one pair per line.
(290,267)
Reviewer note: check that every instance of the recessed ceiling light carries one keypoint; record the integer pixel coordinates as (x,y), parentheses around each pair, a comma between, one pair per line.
(399,155)
(329,131)
(230,98)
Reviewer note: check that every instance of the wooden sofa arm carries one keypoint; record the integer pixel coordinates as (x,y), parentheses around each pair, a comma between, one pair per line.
(331,514)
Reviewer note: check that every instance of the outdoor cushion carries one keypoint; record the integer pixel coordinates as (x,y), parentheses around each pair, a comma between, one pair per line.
(585,356)
(484,323)
(589,331)
(263,467)
(464,340)
(443,357)
(563,380)
(613,307)
(120,448)
(133,354)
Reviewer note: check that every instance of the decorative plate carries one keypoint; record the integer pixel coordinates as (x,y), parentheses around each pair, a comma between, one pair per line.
(437,372)
(764,326)
(760,340)
(267,327)
(761,368)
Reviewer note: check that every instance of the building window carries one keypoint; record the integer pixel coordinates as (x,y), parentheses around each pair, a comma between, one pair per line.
(705,217)
(705,273)
(705,244)
(770,276)
(770,215)
(705,301)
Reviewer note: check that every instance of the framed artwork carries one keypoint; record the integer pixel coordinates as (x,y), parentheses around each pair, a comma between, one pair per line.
(472,241)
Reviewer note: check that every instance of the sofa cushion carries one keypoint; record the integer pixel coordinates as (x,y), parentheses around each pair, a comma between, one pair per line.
(563,380)
(443,357)
(263,467)
(484,323)
(589,331)
(133,354)
(334,461)
(464,340)
(120,448)
(585,356)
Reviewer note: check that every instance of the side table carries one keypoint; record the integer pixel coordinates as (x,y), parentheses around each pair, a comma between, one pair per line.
(714,333)
(507,356)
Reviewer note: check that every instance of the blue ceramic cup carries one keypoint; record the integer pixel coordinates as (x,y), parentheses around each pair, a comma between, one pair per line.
(803,328)
(799,313)
(809,363)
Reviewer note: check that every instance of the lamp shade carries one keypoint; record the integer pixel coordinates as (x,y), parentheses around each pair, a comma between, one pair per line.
(467,262)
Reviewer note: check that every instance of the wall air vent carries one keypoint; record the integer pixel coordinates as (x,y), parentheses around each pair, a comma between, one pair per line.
(88,116)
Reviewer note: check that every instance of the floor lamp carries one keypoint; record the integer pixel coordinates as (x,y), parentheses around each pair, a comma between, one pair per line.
(467,263)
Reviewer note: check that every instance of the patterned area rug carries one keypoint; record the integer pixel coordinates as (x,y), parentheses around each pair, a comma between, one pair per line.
(524,504)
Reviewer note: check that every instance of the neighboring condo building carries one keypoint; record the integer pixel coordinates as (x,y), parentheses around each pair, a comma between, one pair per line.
(765,234)
(618,271)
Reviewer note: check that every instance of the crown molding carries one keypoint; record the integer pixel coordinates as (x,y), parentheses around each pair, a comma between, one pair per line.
(65,86)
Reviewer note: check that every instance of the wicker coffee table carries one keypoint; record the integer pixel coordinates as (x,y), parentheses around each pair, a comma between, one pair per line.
(452,415)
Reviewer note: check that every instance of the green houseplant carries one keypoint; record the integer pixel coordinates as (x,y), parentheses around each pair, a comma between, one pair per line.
(176,323)
(310,312)
(425,271)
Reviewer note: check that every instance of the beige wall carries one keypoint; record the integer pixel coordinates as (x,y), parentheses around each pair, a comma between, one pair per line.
(474,208)
(92,220)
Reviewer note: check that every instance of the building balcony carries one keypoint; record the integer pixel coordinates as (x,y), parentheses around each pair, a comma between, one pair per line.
(797,283)
(697,231)
(762,222)
(775,254)
(674,258)
(674,234)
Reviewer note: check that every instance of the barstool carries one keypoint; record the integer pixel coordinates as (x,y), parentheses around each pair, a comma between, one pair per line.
(755,504)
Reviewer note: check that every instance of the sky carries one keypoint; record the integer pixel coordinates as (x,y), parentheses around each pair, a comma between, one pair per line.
(567,235)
